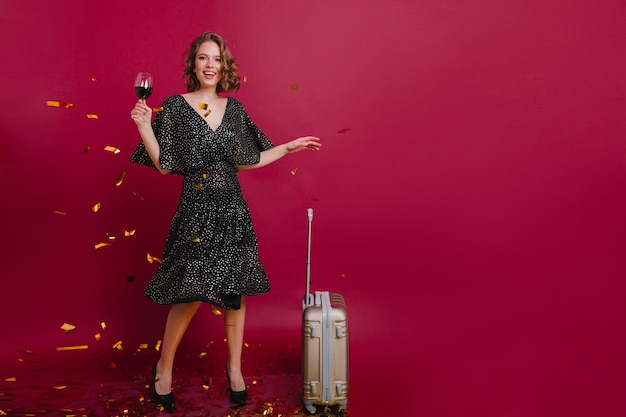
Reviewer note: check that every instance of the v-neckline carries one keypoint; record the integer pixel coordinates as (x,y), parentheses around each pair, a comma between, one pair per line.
(203,119)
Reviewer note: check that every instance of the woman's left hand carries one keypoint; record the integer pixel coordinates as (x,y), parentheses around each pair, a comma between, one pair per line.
(306,142)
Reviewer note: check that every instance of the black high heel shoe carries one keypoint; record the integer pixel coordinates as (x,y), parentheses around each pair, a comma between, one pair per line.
(237,397)
(167,400)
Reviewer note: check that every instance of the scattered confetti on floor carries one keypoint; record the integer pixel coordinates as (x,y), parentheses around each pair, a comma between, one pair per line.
(85,383)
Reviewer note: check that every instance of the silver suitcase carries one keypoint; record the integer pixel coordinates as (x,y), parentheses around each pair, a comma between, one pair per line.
(324,345)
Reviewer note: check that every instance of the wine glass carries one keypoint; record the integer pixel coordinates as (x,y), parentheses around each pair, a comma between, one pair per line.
(143,85)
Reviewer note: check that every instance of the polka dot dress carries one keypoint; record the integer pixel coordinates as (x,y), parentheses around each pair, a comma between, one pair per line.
(211,251)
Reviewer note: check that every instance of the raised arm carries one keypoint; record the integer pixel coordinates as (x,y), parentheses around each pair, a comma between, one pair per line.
(273,154)
(142,115)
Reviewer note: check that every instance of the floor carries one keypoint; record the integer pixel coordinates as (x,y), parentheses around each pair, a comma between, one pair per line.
(114,382)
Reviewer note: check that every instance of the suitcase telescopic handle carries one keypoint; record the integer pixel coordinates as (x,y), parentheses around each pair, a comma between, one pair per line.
(308,297)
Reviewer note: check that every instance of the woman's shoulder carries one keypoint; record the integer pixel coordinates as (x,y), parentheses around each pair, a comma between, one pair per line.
(175,98)
(235,104)
(173,103)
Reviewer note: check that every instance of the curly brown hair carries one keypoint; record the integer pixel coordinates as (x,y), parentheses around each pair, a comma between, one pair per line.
(229,77)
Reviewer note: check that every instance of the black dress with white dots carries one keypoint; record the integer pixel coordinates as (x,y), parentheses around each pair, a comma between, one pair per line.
(211,251)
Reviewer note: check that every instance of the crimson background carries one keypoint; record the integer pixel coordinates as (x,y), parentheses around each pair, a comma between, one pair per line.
(468,199)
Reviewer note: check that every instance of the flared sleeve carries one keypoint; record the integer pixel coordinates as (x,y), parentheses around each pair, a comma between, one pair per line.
(249,141)
(166,127)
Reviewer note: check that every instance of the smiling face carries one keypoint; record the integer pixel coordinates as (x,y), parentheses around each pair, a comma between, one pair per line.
(208,65)
(208,62)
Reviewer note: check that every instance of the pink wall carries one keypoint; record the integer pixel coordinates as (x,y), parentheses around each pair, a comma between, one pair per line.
(475,205)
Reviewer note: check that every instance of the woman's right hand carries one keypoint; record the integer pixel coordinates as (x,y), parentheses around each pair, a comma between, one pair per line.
(141,113)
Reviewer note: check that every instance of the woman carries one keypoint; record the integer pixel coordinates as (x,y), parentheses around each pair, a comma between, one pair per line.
(211,250)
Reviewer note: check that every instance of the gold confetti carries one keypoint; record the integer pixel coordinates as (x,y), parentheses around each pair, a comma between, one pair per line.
(60,387)
(293,171)
(157,347)
(202,355)
(94,79)
(62,213)
(294,86)
(143,346)
(204,106)
(52,103)
(245,78)
(92,116)
(28,352)
(118,345)
(198,185)
(20,360)
(110,236)
(103,325)
(11,379)
(96,207)
(78,347)
(97,336)
(101,245)
(208,383)
(153,258)
(215,311)
(196,240)
(67,327)
(120,178)
(128,232)
(112,149)
(206,176)
(157,109)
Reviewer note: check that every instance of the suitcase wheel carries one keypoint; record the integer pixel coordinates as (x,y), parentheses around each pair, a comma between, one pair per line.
(326,411)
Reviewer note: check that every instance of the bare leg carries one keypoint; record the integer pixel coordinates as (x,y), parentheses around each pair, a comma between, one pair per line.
(178,320)
(234,321)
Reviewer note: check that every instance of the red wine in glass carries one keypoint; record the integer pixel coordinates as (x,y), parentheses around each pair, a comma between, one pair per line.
(143,85)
